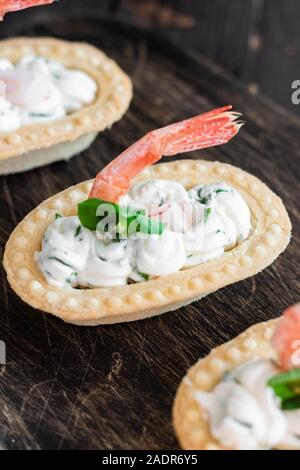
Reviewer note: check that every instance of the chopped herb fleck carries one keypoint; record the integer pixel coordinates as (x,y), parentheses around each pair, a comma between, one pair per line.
(162,202)
(221,191)
(72,277)
(207,213)
(56,75)
(57,216)
(243,423)
(203,199)
(39,115)
(54,258)
(78,231)
(145,276)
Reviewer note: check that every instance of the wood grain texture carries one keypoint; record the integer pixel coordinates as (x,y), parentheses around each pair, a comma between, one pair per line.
(255,40)
(278,61)
(112,387)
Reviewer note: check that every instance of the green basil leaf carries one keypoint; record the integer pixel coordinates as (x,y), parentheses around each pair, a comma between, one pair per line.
(86,211)
(286,386)
(128,219)
(291,403)
(150,226)
(57,216)
(207,213)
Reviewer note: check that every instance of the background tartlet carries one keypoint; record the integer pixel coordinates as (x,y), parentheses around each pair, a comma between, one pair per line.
(39,144)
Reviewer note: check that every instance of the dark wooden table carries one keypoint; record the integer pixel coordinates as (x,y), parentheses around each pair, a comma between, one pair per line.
(112,387)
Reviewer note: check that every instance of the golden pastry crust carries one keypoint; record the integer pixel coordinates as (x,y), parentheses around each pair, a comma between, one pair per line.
(113,98)
(190,420)
(270,234)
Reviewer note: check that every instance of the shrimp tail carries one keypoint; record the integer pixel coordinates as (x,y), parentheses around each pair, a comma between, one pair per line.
(7,6)
(206,130)
(286,339)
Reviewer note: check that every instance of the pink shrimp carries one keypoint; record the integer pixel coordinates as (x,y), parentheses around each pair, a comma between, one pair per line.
(286,339)
(7,6)
(206,130)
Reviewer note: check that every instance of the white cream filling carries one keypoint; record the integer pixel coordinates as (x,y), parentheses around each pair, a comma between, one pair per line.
(196,230)
(40,90)
(244,412)
(72,255)
(160,255)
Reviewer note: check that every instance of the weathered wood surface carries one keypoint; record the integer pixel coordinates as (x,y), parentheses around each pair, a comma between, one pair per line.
(256,40)
(112,387)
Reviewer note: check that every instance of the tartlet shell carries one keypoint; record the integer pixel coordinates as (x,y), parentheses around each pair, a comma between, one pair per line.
(271,230)
(189,419)
(112,101)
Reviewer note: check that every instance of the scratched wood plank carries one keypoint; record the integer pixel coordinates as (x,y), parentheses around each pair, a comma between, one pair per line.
(256,40)
(112,387)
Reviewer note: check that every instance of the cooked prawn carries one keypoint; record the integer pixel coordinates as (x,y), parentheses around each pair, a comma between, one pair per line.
(286,339)
(206,130)
(7,6)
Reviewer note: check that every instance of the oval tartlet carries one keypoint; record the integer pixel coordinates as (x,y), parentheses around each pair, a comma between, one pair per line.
(41,143)
(191,425)
(270,234)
